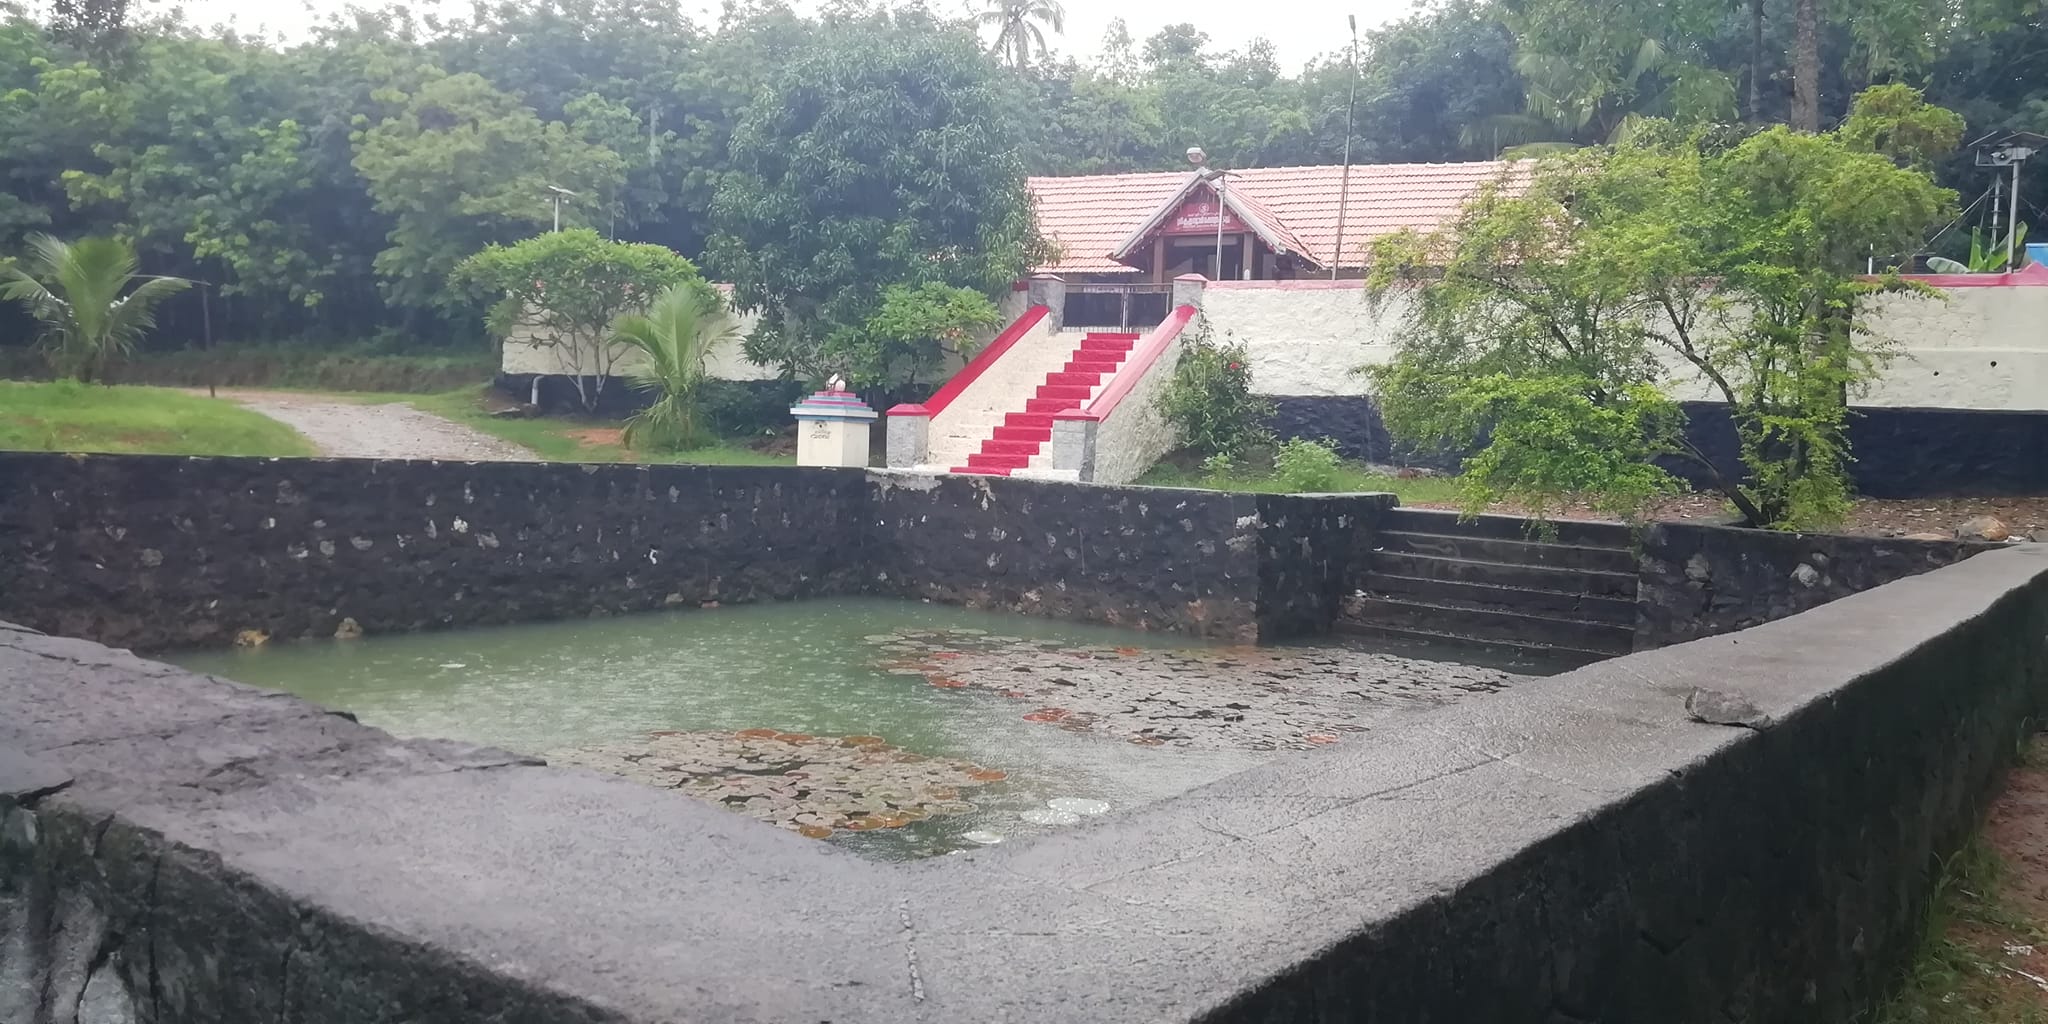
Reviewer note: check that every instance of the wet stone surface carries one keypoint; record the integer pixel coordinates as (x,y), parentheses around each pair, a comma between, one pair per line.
(1185,701)
(815,785)
(1234,698)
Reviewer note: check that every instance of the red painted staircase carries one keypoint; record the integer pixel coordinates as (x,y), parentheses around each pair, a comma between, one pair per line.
(1023,433)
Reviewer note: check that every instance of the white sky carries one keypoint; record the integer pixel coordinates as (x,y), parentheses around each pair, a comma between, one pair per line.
(1299,29)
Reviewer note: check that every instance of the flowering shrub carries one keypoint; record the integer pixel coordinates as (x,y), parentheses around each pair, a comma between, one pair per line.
(1210,401)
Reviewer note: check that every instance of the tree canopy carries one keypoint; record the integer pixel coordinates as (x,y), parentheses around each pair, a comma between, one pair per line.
(873,159)
(1553,336)
(325,189)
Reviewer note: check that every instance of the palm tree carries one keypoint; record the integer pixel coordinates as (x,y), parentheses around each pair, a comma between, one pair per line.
(75,289)
(674,335)
(1016,33)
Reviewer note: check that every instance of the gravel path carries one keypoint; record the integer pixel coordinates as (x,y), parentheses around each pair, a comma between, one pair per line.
(390,431)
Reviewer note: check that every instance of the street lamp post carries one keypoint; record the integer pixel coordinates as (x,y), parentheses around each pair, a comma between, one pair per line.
(1222,185)
(559,194)
(1344,189)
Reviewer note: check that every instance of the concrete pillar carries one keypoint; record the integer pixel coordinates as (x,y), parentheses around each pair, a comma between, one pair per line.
(1187,291)
(909,438)
(1073,443)
(1050,291)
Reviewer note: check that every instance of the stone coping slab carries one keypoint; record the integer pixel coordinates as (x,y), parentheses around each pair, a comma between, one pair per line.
(1577,847)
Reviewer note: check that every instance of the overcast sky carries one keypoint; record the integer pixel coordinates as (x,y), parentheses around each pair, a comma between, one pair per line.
(1299,29)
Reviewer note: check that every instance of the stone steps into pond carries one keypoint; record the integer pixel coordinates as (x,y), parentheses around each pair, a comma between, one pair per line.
(1492,581)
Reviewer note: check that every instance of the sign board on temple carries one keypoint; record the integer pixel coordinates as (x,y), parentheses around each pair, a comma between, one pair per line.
(1197,216)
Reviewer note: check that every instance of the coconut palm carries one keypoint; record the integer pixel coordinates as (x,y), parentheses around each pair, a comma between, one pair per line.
(76,290)
(1017,31)
(674,335)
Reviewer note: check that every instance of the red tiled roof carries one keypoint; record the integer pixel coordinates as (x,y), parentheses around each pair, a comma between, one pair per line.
(1087,217)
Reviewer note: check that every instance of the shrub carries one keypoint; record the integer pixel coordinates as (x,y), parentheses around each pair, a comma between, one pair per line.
(748,408)
(1210,401)
(1305,466)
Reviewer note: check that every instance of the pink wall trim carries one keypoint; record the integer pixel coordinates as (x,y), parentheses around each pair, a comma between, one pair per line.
(983,360)
(2031,275)
(1148,350)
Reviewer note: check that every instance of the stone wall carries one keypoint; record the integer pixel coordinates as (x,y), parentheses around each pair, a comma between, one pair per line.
(178,849)
(1238,566)
(1698,581)
(157,552)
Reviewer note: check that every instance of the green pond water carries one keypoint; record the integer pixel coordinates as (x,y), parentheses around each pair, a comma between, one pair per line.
(805,667)
(827,669)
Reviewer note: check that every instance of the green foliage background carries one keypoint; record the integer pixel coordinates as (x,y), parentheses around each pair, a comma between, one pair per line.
(325,189)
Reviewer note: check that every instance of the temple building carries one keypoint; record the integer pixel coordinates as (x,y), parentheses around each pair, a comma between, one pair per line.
(1121,238)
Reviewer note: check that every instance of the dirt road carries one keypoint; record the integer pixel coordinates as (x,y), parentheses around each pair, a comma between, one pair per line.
(389,431)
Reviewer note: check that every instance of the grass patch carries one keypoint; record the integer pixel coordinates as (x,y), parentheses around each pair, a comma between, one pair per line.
(567,439)
(1959,975)
(1348,477)
(63,416)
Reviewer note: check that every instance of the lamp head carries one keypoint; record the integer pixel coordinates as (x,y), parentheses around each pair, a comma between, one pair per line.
(1196,156)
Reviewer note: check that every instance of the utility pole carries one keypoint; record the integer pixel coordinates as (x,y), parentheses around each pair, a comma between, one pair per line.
(1344,189)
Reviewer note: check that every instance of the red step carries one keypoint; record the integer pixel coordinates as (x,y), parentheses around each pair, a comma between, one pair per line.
(1094,344)
(1037,434)
(1086,380)
(981,471)
(1050,405)
(1099,368)
(1001,446)
(981,461)
(1114,335)
(1077,392)
(1028,420)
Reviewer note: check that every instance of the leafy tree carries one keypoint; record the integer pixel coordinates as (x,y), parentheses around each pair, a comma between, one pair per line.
(461,166)
(1571,307)
(80,294)
(1423,82)
(672,337)
(1016,23)
(877,158)
(909,337)
(566,290)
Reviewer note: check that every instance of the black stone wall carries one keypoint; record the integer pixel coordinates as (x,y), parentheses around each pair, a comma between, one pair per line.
(177,848)
(1310,547)
(1353,423)
(1700,581)
(158,552)
(1240,566)
(1725,874)
(1900,453)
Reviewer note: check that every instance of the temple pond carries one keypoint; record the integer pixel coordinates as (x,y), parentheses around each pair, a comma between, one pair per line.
(897,729)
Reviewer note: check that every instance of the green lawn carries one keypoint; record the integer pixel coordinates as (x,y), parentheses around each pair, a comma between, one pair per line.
(560,439)
(68,417)
(1351,477)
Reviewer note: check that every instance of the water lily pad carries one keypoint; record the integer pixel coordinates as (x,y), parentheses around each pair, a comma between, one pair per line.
(1078,805)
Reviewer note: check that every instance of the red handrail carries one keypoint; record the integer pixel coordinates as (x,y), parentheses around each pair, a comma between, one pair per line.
(1149,349)
(975,367)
